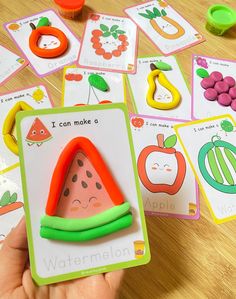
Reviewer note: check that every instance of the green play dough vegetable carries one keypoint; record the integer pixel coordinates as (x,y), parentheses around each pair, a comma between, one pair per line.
(98,82)
(163,66)
(43,22)
(86,235)
(202,73)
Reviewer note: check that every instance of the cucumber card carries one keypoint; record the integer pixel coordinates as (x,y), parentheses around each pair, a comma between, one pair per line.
(82,218)
(210,147)
(167,182)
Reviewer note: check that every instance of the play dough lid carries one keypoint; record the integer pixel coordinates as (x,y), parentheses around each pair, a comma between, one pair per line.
(70,4)
(222,15)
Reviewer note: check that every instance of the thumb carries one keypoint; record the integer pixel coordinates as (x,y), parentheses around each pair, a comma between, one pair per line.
(13,257)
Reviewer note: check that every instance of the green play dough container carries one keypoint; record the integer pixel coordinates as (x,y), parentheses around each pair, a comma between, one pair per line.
(220,18)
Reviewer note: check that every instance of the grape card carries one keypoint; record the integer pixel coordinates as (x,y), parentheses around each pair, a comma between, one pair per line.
(78,87)
(139,87)
(213,86)
(167,182)
(210,147)
(165,27)
(109,43)
(34,97)
(11,200)
(98,224)
(21,29)
(10,64)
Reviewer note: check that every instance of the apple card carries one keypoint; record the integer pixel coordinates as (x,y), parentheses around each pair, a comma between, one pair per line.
(109,43)
(58,36)
(34,97)
(213,87)
(166,28)
(11,201)
(10,64)
(82,87)
(167,182)
(162,92)
(211,151)
(97,223)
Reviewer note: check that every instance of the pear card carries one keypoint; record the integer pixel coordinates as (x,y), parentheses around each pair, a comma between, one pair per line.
(167,182)
(210,147)
(82,218)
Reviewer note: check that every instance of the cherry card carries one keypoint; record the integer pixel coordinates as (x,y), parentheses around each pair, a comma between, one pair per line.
(10,64)
(210,147)
(86,87)
(213,87)
(109,43)
(167,182)
(165,27)
(155,90)
(45,40)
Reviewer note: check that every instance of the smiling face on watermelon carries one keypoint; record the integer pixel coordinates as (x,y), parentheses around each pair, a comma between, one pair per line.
(38,133)
(84,194)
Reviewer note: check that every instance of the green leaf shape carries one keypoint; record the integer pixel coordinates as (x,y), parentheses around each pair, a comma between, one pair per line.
(104,27)
(150,13)
(163,12)
(43,22)
(145,16)
(5,200)
(120,31)
(113,28)
(13,197)
(202,73)
(170,141)
(156,11)
(163,66)
(106,34)
(98,82)
(115,35)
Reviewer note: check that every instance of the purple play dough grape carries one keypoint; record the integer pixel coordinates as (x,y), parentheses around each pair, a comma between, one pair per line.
(230,81)
(224,99)
(232,92)
(207,83)
(216,76)
(210,94)
(233,105)
(221,87)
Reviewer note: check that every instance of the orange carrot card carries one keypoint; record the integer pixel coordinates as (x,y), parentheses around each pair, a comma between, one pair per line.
(81,215)
(109,43)
(167,182)
(165,27)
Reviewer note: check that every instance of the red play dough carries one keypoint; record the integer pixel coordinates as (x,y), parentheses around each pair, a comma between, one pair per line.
(230,81)
(207,83)
(83,194)
(216,76)
(232,92)
(221,87)
(224,99)
(210,94)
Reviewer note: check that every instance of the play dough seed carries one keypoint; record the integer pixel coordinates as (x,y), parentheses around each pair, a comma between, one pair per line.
(207,83)
(80,163)
(84,184)
(98,82)
(163,66)
(221,87)
(224,99)
(202,73)
(210,94)
(216,76)
(74,178)
(230,81)
(89,174)
(99,186)
(66,192)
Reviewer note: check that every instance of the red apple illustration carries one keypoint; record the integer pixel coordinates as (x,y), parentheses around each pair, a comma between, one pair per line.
(166,147)
(137,122)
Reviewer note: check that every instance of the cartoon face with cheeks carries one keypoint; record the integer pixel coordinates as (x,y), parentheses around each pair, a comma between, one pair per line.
(83,194)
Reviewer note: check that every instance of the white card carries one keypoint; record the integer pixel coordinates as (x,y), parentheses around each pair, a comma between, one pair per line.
(37,97)
(202,107)
(166,28)
(20,31)
(76,88)
(167,182)
(10,64)
(139,87)
(210,146)
(109,43)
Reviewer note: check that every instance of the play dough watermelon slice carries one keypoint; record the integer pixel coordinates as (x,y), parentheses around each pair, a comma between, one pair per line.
(84,200)
(38,133)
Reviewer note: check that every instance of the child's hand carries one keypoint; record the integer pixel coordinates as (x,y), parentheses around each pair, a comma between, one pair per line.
(16,280)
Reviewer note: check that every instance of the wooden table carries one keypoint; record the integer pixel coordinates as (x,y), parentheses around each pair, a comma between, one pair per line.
(190,259)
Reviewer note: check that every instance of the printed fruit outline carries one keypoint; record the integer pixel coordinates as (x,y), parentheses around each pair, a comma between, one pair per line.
(137,122)
(218,174)
(166,147)
(38,133)
(38,95)
(9,203)
(227,126)
(107,32)
(156,13)
(73,77)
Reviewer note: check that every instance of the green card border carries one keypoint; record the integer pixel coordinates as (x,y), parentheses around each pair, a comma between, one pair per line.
(82,273)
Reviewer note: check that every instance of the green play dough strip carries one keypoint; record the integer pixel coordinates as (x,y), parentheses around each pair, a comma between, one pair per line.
(73,224)
(224,166)
(231,158)
(86,235)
